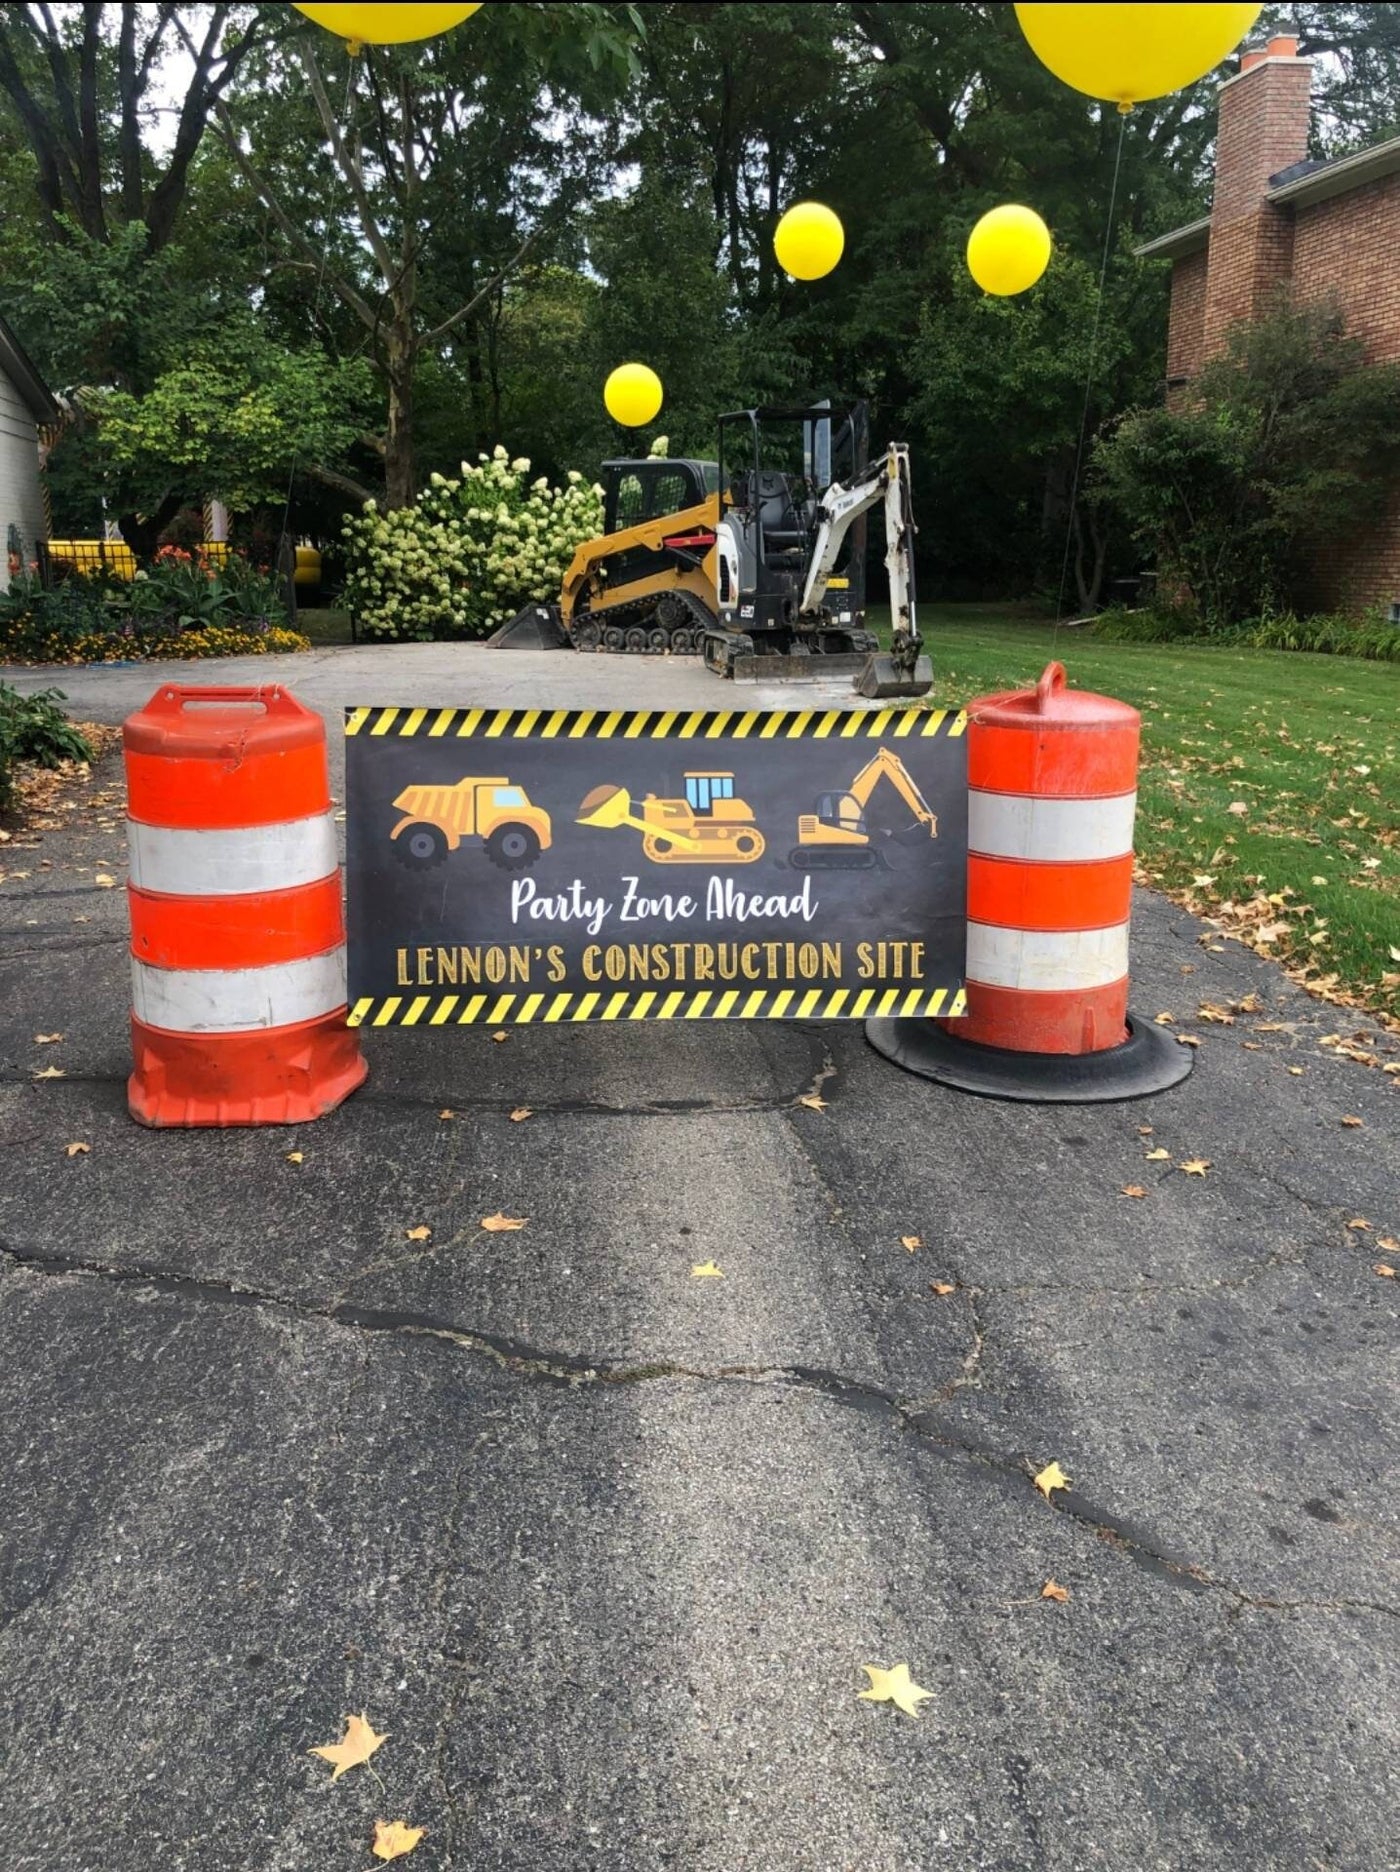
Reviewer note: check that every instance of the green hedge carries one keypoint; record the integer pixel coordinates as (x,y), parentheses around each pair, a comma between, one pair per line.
(1372,637)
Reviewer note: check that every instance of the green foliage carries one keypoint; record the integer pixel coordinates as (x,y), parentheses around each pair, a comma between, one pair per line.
(34,728)
(469,553)
(1372,638)
(1291,442)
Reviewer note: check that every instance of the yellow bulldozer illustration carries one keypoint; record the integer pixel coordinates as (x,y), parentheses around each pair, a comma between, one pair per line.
(709,826)
(436,819)
(836,837)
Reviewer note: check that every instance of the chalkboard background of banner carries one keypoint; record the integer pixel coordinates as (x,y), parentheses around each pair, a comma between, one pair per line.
(726,869)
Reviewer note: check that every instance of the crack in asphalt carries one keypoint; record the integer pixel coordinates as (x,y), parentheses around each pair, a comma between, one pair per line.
(573,1371)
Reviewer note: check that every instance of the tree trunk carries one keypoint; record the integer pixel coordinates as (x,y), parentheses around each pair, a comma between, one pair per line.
(142,531)
(400,480)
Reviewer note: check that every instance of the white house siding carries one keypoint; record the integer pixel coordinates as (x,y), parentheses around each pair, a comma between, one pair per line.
(21,500)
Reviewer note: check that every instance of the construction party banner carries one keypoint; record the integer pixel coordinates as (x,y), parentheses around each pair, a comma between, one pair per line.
(570,865)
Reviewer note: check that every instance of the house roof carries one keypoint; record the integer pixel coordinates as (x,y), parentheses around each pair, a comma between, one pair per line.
(1299,186)
(16,365)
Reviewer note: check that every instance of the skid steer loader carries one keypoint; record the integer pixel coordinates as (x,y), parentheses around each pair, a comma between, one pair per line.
(756,561)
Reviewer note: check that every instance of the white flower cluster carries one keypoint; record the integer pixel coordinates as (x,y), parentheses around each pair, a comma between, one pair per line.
(469,553)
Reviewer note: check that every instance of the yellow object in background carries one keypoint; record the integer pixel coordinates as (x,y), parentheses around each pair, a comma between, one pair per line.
(809,240)
(93,558)
(633,395)
(387,25)
(1124,54)
(1008,250)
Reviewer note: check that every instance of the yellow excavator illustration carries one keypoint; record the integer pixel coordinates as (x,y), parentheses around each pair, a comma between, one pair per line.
(836,837)
(436,819)
(709,826)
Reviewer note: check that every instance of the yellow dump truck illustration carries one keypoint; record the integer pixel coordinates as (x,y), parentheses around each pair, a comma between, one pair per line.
(436,819)
(709,826)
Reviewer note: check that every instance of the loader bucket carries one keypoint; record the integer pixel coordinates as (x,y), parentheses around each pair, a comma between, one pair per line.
(605,806)
(534,627)
(884,675)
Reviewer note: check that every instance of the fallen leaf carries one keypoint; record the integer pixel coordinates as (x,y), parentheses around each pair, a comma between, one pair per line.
(1144,1130)
(1358,1222)
(104,880)
(1353,1123)
(394,1838)
(1052,1589)
(911,1242)
(1238,807)
(46,1039)
(494,1224)
(893,1686)
(76,1150)
(1389,1243)
(1211,1011)
(1187,1040)
(1158,1155)
(1385,1270)
(1201,881)
(1297,1071)
(296,1157)
(1132,1189)
(354,1748)
(1164,1020)
(1317,880)
(1393,952)
(706,1270)
(51,1072)
(941,1288)
(1196,1166)
(813,1101)
(520,1114)
(1052,1476)
(1251,1004)
(421,1233)
(500,1035)
(447,1114)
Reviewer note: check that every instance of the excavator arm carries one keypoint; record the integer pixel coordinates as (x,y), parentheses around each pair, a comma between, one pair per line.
(886,480)
(886,765)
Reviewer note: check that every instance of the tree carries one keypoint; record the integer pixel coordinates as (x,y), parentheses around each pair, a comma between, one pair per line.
(1291,442)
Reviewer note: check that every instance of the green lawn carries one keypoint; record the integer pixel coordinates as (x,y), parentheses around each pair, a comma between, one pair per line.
(323,627)
(1307,866)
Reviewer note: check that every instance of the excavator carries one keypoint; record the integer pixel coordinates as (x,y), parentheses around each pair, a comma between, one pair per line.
(836,837)
(755,560)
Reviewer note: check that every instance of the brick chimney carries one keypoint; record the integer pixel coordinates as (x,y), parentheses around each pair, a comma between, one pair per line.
(1265,111)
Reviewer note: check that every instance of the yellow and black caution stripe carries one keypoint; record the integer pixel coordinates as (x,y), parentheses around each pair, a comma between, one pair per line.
(606,1004)
(655,724)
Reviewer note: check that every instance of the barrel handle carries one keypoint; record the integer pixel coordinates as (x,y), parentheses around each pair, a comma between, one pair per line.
(1052,681)
(267,696)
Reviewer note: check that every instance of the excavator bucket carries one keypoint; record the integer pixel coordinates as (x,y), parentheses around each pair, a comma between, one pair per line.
(534,627)
(884,676)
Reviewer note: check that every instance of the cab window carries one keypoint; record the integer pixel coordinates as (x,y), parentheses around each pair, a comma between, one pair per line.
(509,796)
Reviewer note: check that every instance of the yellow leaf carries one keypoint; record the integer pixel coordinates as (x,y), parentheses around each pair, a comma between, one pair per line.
(1156,1156)
(104,881)
(1196,1166)
(520,1114)
(1354,1123)
(1202,882)
(1251,1004)
(46,1039)
(1187,1040)
(500,1035)
(1052,1476)
(1297,1071)
(706,1270)
(1144,1130)
(1389,1243)
(1358,1222)
(1211,1011)
(911,1242)
(942,1287)
(813,1101)
(51,1072)
(893,1686)
(495,1223)
(1238,808)
(76,1150)
(1132,1189)
(296,1157)
(354,1748)
(1164,1020)
(1052,1589)
(1317,880)
(1385,1270)
(447,1114)
(421,1233)
(394,1838)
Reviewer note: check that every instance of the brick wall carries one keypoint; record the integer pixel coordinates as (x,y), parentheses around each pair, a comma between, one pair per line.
(1186,324)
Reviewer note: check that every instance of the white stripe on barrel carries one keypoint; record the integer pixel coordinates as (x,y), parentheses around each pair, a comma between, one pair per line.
(232,862)
(1046,959)
(238,1000)
(1047,830)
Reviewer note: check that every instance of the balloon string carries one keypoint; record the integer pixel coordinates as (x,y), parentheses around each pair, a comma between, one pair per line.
(1089,377)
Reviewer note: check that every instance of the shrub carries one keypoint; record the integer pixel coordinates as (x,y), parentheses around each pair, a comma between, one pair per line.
(469,553)
(34,728)
(1372,637)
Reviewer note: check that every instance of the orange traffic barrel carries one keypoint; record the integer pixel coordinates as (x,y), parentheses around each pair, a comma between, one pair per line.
(237,932)
(1052,796)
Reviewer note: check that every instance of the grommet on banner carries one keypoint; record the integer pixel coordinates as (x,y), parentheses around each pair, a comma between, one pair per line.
(1052,779)
(237,934)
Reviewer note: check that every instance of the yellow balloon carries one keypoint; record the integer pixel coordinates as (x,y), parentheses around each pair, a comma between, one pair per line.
(1127,53)
(1008,250)
(809,240)
(387,25)
(633,395)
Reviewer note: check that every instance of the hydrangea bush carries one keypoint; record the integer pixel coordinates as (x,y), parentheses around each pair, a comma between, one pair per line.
(469,553)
